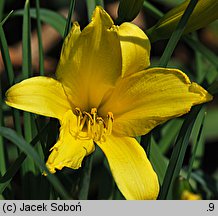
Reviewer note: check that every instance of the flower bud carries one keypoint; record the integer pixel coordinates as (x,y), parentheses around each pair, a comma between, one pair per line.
(204,13)
(128,10)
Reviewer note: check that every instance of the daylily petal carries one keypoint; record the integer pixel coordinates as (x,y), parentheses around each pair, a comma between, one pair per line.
(68,44)
(135,48)
(93,60)
(40,95)
(146,99)
(69,150)
(131,168)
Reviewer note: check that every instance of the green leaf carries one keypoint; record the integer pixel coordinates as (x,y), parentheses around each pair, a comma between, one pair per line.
(21,143)
(39,34)
(52,18)
(196,142)
(178,154)
(9,73)
(69,18)
(169,133)
(26,42)
(152,10)
(2,4)
(6,56)
(128,10)
(158,161)
(205,12)
(197,46)
(91,4)
(177,34)
(146,143)
(85,178)
(2,147)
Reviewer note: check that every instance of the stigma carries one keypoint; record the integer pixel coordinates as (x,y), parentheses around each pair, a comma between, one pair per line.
(92,126)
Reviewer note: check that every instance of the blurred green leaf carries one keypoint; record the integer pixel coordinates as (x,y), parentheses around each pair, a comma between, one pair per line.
(2,4)
(158,161)
(171,3)
(152,10)
(128,10)
(177,33)
(210,130)
(198,46)
(91,4)
(169,134)
(52,18)
(204,13)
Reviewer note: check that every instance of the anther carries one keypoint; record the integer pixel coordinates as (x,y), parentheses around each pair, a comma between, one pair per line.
(92,126)
(110,119)
(79,115)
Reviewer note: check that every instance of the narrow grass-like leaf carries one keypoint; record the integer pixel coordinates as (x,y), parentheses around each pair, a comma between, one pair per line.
(196,144)
(146,143)
(170,132)
(195,45)
(2,147)
(28,167)
(2,4)
(29,150)
(6,57)
(12,170)
(213,89)
(85,178)
(158,161)
(27,63)
(10,74)
(69,18)
(178,154)
(152,10)
(5,19)
(177,34)
(52,18)
(39,34)
(26,42)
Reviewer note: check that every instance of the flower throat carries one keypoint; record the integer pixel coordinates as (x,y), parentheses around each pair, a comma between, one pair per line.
(94,126)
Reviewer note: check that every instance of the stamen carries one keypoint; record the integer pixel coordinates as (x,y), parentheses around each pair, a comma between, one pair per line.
(110,119)
(100,127)
(82,123)
(94,126)
(79,115)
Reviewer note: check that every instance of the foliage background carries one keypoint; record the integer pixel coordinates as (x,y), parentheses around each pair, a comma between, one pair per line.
(20,176)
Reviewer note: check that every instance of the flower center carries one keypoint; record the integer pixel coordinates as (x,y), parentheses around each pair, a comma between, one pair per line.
(94,126)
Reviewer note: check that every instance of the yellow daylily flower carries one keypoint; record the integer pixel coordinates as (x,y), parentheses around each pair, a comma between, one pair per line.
(103,94)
